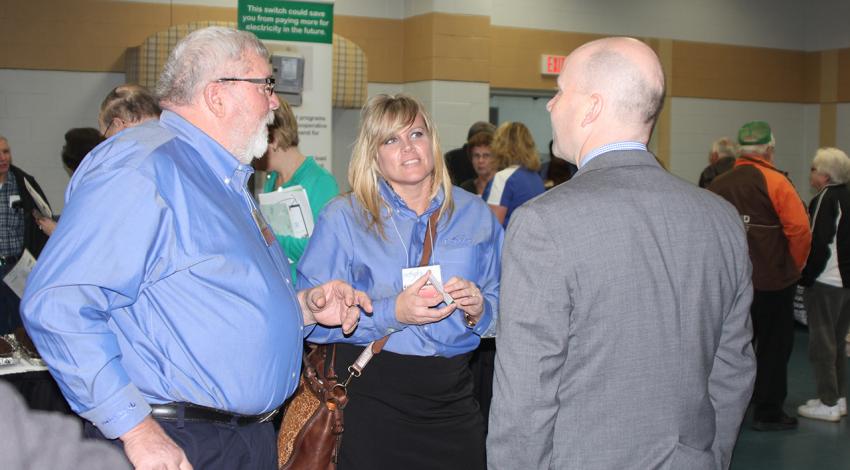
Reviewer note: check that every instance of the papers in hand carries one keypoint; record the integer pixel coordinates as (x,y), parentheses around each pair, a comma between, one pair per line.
(288,211)
(40,203)
(16,279)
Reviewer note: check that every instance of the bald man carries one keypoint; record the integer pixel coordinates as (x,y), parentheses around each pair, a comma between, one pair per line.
(624,339)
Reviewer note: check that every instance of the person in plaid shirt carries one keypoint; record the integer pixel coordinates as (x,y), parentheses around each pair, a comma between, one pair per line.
(18,230)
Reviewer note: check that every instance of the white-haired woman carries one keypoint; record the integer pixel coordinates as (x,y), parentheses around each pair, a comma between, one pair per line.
(827,281)
(413,406)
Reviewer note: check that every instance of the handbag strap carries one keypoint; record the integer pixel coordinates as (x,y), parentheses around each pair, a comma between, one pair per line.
(376,346)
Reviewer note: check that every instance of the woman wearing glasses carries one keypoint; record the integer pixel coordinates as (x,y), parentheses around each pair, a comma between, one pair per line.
(413,406)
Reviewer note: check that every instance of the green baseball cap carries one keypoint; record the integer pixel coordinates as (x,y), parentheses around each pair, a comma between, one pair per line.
(755,133)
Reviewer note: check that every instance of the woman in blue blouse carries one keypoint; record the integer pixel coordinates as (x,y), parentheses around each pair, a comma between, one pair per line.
(413,406)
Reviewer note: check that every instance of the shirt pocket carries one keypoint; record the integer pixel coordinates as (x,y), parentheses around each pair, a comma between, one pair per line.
(461,261)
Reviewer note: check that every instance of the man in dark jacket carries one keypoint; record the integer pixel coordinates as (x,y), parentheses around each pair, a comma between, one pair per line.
(720,160)
(18,229)
(779,239)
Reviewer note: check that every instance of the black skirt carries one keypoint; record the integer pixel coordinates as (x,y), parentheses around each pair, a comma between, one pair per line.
(410,412)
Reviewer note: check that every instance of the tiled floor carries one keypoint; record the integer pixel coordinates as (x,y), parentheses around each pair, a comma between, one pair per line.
(815,445)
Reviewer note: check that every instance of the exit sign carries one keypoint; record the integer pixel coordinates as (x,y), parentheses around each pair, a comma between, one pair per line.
(551,64)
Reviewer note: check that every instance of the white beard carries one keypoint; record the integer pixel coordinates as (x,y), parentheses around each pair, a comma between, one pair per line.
(257,145)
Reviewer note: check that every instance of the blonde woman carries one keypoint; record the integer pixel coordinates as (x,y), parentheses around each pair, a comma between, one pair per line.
(413,406)
(518,162)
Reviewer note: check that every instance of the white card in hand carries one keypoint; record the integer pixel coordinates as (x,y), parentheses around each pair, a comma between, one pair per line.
(411,275)
(439,287)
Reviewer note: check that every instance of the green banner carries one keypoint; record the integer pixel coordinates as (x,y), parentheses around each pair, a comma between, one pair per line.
(287,21)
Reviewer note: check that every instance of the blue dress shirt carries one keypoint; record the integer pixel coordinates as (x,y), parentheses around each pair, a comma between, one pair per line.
(158,286)
(468,245)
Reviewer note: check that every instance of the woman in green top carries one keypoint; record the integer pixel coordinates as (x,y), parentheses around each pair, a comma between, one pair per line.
(286,167)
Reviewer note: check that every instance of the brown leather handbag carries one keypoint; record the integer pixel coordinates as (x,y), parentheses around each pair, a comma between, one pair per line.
(312,425)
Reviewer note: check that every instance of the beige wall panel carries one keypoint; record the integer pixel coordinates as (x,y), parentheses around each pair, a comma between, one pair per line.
(189,13)
(515,55)
(418,48)
(812,77)
(462,69)
(828,76)
(439,46)
(383,42)
(828,125)
(737,73)
(462,26)
(843,80)
(86,35)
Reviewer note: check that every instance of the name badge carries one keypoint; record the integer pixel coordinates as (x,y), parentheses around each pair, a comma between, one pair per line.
(435,281)
(410,275)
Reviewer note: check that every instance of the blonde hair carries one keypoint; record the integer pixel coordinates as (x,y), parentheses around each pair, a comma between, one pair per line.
(284,128)
(381,118)
(514,145)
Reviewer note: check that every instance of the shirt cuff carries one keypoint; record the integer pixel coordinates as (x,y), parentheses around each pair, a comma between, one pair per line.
(120,413)
(486,327)
(384,317)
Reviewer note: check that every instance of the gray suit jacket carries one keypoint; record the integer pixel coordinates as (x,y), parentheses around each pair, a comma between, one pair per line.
(624,334)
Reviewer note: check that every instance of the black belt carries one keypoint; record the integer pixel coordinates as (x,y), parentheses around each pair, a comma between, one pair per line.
(4,260)
(190,412)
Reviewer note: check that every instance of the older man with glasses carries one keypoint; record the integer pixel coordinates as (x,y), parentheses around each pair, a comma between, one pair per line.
(163,304)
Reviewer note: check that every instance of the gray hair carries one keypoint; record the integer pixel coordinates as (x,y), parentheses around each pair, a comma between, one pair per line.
(760,149)
(201,57)
(130,103)
(724,147)
(832,162)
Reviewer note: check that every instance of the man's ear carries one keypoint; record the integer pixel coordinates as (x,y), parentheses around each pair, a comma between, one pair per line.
(214,99)
(593,109)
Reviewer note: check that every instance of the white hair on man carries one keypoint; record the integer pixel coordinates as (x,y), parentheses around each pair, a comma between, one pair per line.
(204,55)
(724,147)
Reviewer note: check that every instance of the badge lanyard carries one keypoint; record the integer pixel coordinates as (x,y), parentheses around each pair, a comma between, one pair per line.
(401,239)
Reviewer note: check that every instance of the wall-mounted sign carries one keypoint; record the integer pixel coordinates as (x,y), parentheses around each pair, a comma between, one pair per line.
(551,64)
(299,36)
(287,20)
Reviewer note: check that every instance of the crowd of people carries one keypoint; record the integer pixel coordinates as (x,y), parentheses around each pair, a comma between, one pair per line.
(526,313)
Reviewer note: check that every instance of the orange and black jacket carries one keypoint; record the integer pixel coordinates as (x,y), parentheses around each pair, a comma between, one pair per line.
(776,220)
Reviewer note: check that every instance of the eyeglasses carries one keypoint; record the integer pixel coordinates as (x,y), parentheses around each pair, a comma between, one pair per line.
(268,82)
